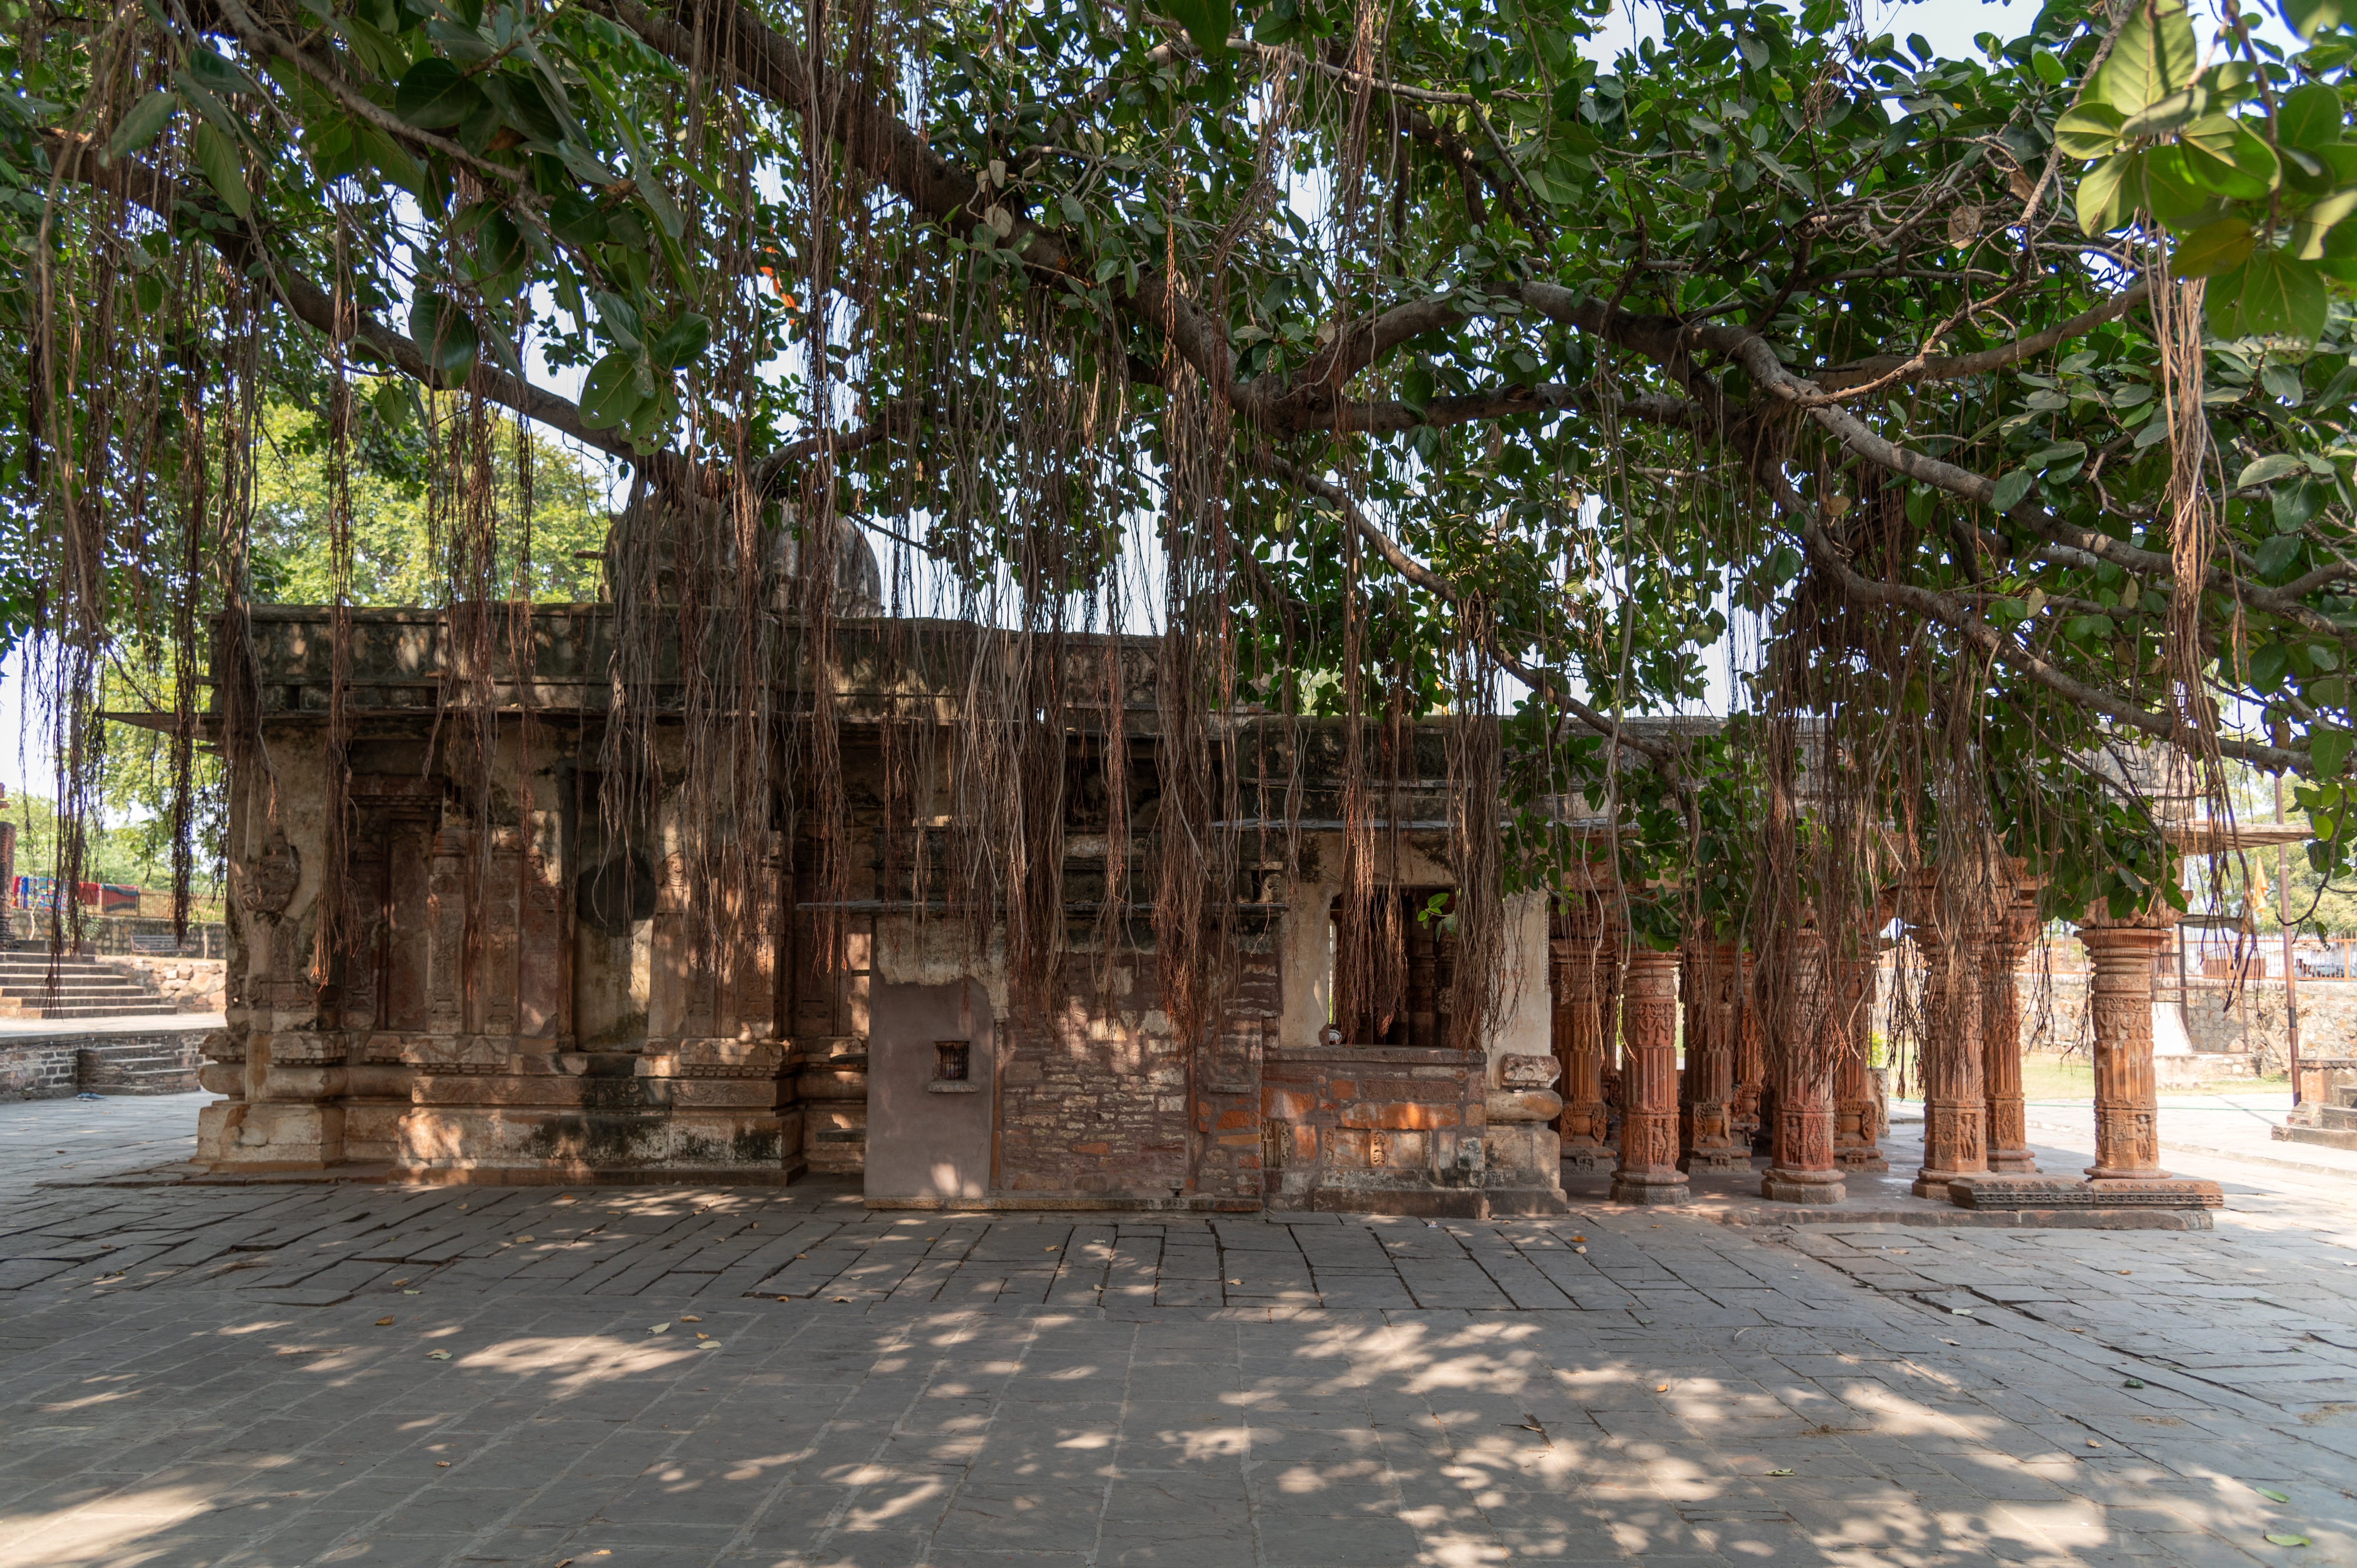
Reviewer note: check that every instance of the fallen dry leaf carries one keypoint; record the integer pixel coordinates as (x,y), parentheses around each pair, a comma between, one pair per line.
(437,1355)
(690,1317)
(441,1463)
(384,1323)
(413,1292)
(1660,1387)
(2092,1444)
(658,1327)
(843,1298)
(1779,1472)
(522,1239)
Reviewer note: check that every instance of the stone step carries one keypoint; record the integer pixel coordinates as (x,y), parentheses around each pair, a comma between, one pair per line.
(2324,1137)
(75,987)
(150,1007)
(2342,1116)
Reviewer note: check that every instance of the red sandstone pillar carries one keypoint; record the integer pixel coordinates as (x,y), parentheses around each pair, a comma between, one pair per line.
(2008,1128)
(1648,1172)
(1956,1097)
(1801,1059)
(1750,1058)
(2128,1135)
(1706,1139)
(1578,964)
(1858,1131)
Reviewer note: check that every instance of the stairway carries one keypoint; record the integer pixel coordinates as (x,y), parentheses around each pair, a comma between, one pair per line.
(2332,1124)
(86,988)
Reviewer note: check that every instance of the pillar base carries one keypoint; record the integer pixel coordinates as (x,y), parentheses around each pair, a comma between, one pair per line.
(1650,1189)
(1780,1186)
(1583,1156)
(2012,1162)
(1715,1160)
(1990,1192)
(1933,1184)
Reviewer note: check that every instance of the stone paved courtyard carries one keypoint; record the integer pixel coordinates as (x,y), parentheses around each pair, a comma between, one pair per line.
(287,1374)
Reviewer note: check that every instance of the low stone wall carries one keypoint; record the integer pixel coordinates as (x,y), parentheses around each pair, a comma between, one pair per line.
(2247,1022)
(186,984)
(51,1066)
(1374,1129)
(108,935)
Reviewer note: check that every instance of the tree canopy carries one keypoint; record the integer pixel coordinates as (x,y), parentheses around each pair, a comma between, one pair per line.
(2003,401)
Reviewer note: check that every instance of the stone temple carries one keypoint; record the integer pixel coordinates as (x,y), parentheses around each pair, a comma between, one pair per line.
(540,1008)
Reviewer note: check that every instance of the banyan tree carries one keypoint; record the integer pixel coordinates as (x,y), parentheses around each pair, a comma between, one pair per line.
(1250,429)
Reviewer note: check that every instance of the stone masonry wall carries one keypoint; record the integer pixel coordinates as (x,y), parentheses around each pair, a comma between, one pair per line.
(1092,1092)
(51,1066)
(189,984)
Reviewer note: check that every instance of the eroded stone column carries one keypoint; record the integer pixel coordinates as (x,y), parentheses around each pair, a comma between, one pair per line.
(1648,1172)
(1955,1096)
(1800,1065)
(1578,960)
(1706,1139)
(1857,1120)
(1751,1060)
(2119,1001)
(2008,1129)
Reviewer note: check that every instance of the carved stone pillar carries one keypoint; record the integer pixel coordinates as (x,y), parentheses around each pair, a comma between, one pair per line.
(1706,1139)
(1800,1065)
(1751,1060)
(2009,1130)
(2128,1135)
(1578,961)
(1648,1172)
(1858,1110)
(1956,1097)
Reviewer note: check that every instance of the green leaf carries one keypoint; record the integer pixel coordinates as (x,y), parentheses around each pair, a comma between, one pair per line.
(2011,489)
(609,395)
(2089,628)
(519,101)
(2212,249)
(146,119)
(2266,470)
(2310,17)
(216,156)
(2180,107)
(575,218)
(2274,1540)
(2271,1495)
(2048,66)
(2222,156)
(435,94)
(2270,295)
(2170,195)
(2147,63)
(2106,192)
(2090,131)
(2276,556)
(2269,665)
(445,334)
(2327,750)
(683,341)
(1208,22)
(2308,116)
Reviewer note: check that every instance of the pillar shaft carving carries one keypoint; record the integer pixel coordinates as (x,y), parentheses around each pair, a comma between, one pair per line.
(1647,1171)
(1801,1058)
(1706,1135)
(1857,1124)
(1955,1093)
(2008,1128)
(1578,960)
(2127,1137)
(1750,1058)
